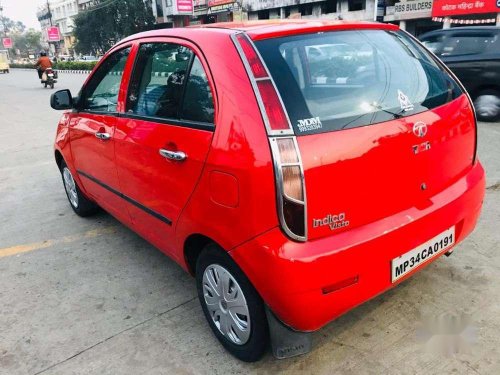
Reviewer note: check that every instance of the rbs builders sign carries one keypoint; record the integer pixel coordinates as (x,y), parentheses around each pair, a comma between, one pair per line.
(410,9)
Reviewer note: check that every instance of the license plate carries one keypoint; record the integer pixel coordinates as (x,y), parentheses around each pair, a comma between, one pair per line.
(422,254)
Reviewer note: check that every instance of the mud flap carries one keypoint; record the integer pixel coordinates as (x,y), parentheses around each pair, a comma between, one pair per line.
(285,342)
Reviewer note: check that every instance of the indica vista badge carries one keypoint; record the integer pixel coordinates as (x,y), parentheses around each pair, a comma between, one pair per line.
(333,221)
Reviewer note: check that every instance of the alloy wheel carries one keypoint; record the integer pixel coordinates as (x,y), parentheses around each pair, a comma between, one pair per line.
(70,186)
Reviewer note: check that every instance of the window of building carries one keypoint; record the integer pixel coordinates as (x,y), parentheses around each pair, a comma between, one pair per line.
(263,14)
(306,9)
(354,5)
(329,6)
(159,8)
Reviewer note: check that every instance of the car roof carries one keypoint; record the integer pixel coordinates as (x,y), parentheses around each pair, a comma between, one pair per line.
(460,30)
(264,29)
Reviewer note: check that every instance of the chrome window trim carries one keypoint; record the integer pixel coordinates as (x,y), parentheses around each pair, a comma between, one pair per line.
(273,136)
(280,194)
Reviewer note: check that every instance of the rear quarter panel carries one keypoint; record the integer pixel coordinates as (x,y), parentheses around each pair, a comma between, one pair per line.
(240,148)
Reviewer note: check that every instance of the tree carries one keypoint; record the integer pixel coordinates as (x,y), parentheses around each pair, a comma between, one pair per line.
(99,27)
(8,25)
(27,42)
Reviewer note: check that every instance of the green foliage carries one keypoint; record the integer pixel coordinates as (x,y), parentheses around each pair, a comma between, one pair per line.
(12,26)
(100,27)
(75,65)
(28,41)
(63,65)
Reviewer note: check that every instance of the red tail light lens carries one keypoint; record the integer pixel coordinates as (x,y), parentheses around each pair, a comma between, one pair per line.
(274,109)
(258,69)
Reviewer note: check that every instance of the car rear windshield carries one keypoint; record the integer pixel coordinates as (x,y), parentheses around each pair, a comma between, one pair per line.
(344,79)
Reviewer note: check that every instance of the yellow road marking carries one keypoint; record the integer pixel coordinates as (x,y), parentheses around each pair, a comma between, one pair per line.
(19,249)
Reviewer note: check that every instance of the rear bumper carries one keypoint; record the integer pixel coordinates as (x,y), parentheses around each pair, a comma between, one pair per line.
(290,276)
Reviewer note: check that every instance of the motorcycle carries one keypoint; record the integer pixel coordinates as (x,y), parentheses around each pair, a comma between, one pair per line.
(49,78)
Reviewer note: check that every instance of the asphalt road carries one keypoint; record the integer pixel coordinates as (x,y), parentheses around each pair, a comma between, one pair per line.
(89,296)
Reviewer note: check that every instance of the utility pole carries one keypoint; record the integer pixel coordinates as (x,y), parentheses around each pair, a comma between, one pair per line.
(56,44)
(49,13)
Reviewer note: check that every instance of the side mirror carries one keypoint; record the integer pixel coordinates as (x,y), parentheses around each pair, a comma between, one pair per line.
(61,99)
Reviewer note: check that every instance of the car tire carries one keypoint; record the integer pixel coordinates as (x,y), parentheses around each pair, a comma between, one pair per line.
(237,317)
(487,105)
(79,203)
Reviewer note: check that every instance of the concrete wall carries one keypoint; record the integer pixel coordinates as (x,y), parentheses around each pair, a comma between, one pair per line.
(276,6)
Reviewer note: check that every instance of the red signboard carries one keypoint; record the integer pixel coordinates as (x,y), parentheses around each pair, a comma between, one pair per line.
(214,3)
(7,43)
(53,34)
(442,8)
(185,6)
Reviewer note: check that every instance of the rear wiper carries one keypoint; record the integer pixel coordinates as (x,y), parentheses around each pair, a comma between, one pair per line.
(396,115)
(370,106)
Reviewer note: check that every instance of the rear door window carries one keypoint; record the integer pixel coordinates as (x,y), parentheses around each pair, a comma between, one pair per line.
(198,103)
(345,79)
(158,80)
(169,82)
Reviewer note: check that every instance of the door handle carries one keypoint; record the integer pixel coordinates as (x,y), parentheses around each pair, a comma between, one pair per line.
(173,155)
(103,136)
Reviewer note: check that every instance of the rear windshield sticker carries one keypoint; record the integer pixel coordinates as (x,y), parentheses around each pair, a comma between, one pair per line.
(404,102)
(308,124)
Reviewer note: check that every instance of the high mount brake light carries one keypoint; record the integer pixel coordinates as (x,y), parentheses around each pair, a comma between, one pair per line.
(288,169)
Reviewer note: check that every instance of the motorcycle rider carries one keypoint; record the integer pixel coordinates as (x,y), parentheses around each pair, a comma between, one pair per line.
(43,64)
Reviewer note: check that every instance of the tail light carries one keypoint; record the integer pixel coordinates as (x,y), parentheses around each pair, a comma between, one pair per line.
(288,169)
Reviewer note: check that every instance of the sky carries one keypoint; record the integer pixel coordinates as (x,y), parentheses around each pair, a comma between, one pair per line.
(22,10)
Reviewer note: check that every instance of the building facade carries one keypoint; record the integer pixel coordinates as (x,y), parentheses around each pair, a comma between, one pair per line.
(415,16)
(58,13)
(63,12)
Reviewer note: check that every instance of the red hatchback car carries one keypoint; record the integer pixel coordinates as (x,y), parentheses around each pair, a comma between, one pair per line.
(297,169)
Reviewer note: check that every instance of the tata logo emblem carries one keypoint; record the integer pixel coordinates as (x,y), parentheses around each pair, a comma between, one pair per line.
(420,129)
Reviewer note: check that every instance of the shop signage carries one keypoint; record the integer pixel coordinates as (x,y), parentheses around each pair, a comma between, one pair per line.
(184,6)
(199,3)
(410,9)
(464,7)
(53,34)
(220,8)
(7,43)
(256,5)
(218,3)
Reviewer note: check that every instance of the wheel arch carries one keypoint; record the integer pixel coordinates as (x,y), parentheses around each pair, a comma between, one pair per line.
(478,90)
(59,158)
(193,246)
